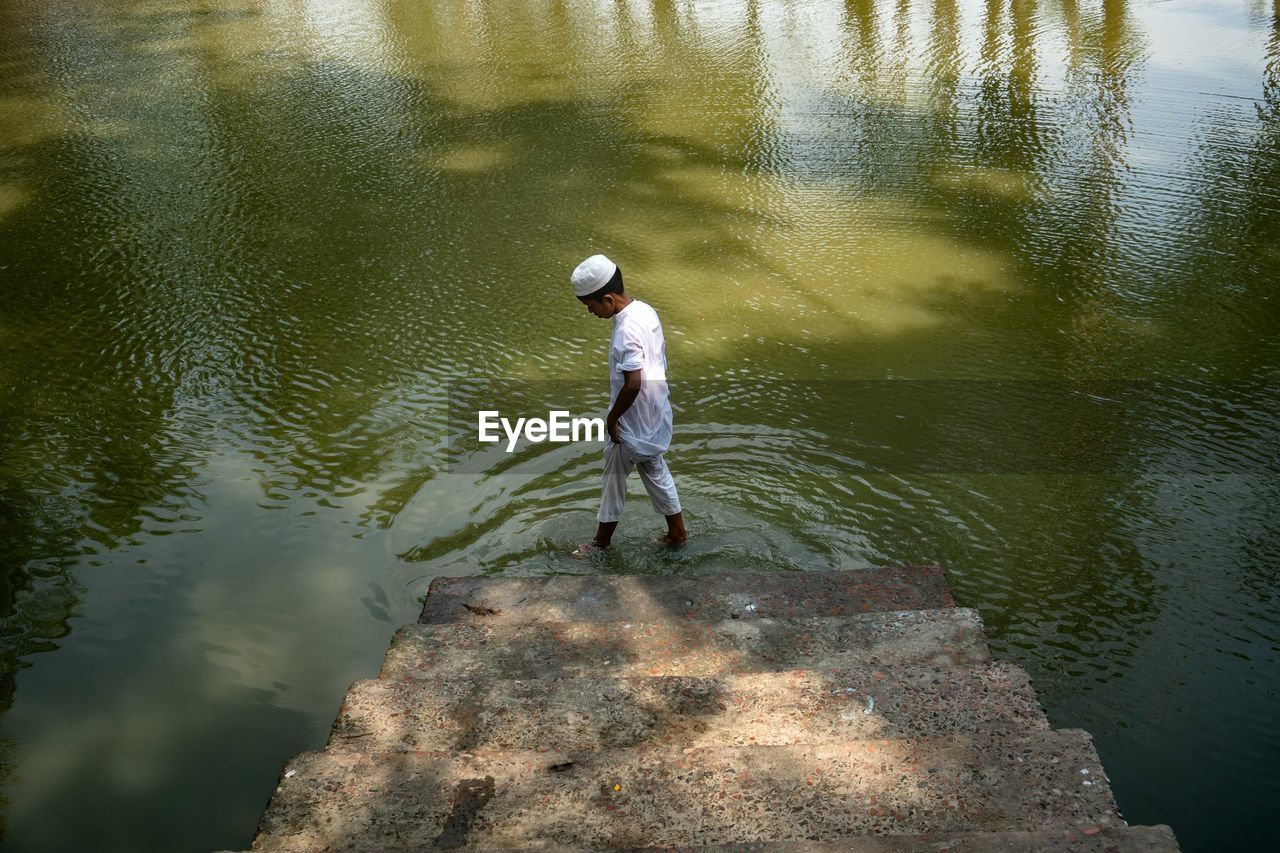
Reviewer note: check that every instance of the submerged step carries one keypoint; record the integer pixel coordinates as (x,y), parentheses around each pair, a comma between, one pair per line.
(444,713)
(712,597)
(675,647)
(641,797)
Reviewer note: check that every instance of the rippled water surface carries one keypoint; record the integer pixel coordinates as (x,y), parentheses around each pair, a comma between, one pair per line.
(991,284)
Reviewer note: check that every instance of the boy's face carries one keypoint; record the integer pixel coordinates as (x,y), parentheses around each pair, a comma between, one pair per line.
(604,307)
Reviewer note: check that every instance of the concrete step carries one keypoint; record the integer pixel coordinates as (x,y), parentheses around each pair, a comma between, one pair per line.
(710,597)
(677,647)
(1089,839)
(444,713)
(646,797)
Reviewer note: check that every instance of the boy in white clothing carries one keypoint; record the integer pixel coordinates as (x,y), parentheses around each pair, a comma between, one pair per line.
(639,421)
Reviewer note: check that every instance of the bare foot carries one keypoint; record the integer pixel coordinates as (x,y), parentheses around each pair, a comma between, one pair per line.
(672,539)
(586,549)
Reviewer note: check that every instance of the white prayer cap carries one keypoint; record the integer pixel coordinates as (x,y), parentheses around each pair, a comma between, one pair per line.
(592,274)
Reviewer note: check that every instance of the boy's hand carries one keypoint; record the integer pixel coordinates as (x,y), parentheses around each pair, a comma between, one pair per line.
(627,396)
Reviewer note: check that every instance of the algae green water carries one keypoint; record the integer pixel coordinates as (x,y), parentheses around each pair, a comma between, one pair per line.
(918,263)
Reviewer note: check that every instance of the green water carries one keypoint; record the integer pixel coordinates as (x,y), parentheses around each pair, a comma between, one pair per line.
(918,264)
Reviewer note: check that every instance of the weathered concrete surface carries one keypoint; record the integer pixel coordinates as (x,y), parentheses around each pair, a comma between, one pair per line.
(1089,839)
(571,713)
(706,597)
(690,797)
(676,647)
(810,707)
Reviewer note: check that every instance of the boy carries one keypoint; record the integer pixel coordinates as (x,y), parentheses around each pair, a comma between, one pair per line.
(639,421)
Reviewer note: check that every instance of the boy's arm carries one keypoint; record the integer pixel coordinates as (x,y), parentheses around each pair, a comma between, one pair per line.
(627,396)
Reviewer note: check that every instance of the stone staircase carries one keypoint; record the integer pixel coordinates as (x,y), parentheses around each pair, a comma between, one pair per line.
(851,710)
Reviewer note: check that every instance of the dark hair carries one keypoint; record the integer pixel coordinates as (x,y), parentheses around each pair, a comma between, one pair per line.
(613,285)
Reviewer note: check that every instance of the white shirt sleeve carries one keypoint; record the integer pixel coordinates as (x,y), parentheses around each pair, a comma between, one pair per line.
(632,356)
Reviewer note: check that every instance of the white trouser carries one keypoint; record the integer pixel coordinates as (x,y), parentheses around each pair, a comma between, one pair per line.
(654,473)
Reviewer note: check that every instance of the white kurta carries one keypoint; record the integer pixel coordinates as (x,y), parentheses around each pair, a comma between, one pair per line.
(638,344)
(645,428)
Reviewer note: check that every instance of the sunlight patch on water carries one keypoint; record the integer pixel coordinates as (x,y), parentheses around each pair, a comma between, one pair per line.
(12,197)
(824,265)
(474,159)
(1009,185)
(27,120)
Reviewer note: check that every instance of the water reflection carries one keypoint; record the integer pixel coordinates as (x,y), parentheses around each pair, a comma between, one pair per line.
(249,247)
